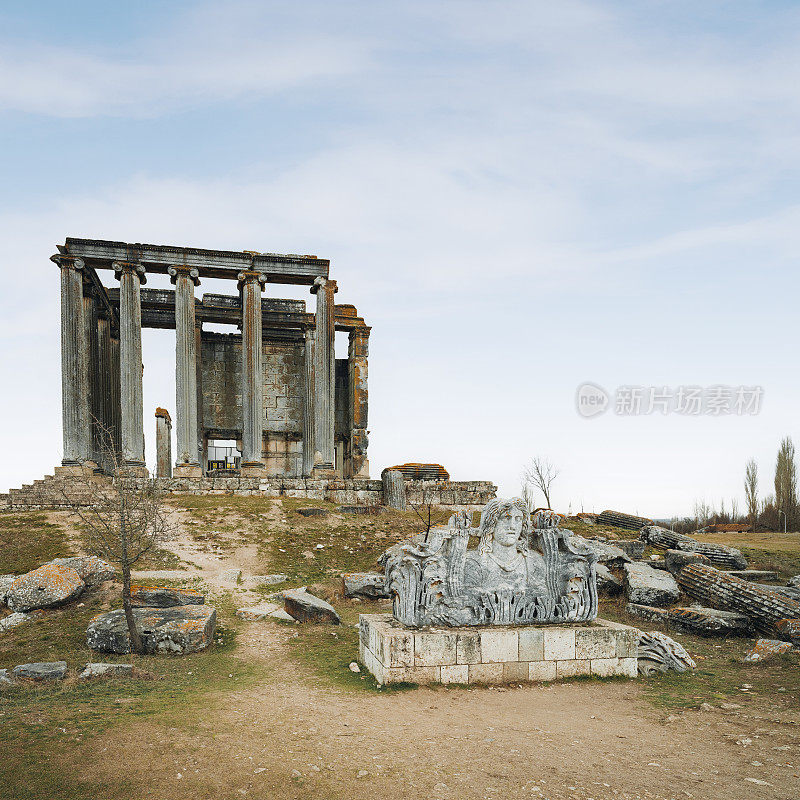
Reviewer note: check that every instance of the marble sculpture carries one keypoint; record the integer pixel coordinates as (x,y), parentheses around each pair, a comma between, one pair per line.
(523,571)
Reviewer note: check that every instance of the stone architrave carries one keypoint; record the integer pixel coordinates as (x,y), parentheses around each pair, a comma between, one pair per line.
(324,374)
(185,280)
(74,364)
(131,277)
(524,571)
(250,284)
(163,443)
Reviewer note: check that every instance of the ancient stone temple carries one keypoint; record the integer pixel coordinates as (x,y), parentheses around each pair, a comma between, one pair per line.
(273,385)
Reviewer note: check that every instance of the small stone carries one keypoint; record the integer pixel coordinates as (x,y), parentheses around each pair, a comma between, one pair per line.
(706,707)
(756,764)
(12,620)
(313,512)
(766,648)
(4,679)
(164,597)
(354,667)
(231,575)
(96,670)
(296,774)
(758,782)
(42,670)
(269,580)
(367,585)
(730,706)
(362,773)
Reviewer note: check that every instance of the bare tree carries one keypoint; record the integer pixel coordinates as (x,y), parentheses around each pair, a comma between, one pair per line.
(539,475)
(751,491)
(786,482)
(425,511)
(123,519)
(702,513)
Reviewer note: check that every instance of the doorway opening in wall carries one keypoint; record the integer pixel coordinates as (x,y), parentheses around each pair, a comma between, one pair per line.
(223,455)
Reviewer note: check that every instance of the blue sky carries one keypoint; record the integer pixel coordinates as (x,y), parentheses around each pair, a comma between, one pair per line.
(518,196)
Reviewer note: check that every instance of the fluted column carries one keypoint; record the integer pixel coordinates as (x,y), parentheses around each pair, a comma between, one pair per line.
(131,276)
(357,355)
(187,464)
(91,344)
(74,364)
(104,379)
(309,447)
(250,283)
(324,375)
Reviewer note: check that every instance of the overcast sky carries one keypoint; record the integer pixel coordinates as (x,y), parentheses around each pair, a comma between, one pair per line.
(519,197)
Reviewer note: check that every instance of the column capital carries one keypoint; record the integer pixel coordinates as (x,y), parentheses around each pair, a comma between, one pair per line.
(67,262)
(133,267)
(324,283)
(251,276)
(189,272)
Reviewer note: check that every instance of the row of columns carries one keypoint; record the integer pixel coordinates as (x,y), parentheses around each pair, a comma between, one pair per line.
(96,404)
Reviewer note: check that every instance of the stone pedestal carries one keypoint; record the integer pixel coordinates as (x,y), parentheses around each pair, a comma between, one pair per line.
(395,653)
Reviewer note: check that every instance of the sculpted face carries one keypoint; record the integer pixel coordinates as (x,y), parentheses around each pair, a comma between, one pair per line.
(509,528)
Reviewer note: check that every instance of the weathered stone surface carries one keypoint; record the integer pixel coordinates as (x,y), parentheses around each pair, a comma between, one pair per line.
(620,520)
(650,587)
(764,608)
(269,580)
(98,670)
(523,571)
(367,585)
(676,560)
(794,582)
(42,671)
(45,587)
(180,629)
(305,607)
(605,553)
(257,613)
(92,570)
(313,512)
(695,619)
(766,648)
(231,575)
(5,585)
(633,548)
(164,597)
(755,575)
(718,554)
(12,620)
(394,489)
(364,510)
(607,583)
(5,680)
(393,652)
(660,653)
(789,631)
(280,615)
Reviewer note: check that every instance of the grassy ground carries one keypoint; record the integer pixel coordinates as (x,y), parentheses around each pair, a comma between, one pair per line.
(44,728)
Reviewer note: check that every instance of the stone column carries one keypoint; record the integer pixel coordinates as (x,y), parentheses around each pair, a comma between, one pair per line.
(92,368)
(357,355)
(104,375)
(163,443)
(131,276)
(116,398)
(324,377)
(74,366)
(250,283)
(187,464)
(201,439)
(309,448)
(394,489)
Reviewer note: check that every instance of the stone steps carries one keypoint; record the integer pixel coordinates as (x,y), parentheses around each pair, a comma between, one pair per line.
(50,491)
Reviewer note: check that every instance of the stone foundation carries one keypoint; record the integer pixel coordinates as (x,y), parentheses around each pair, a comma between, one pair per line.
(394,653)
(470,495)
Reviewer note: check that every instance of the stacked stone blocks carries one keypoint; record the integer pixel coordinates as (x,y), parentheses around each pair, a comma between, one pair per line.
(395,653)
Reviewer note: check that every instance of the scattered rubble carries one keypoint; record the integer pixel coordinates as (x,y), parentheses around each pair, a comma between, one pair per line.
(766,648)
(633,548)
(606,553)
(765,608)
(12,620)
(607,582)
(650,587)
(231,575)
(305,607)
(92,570)
(180,629)
(659,653)
(41,671)
(98,670)
(718,554)
(695,619)
(164,597)
(45,587)
(313,512)
(367,585)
